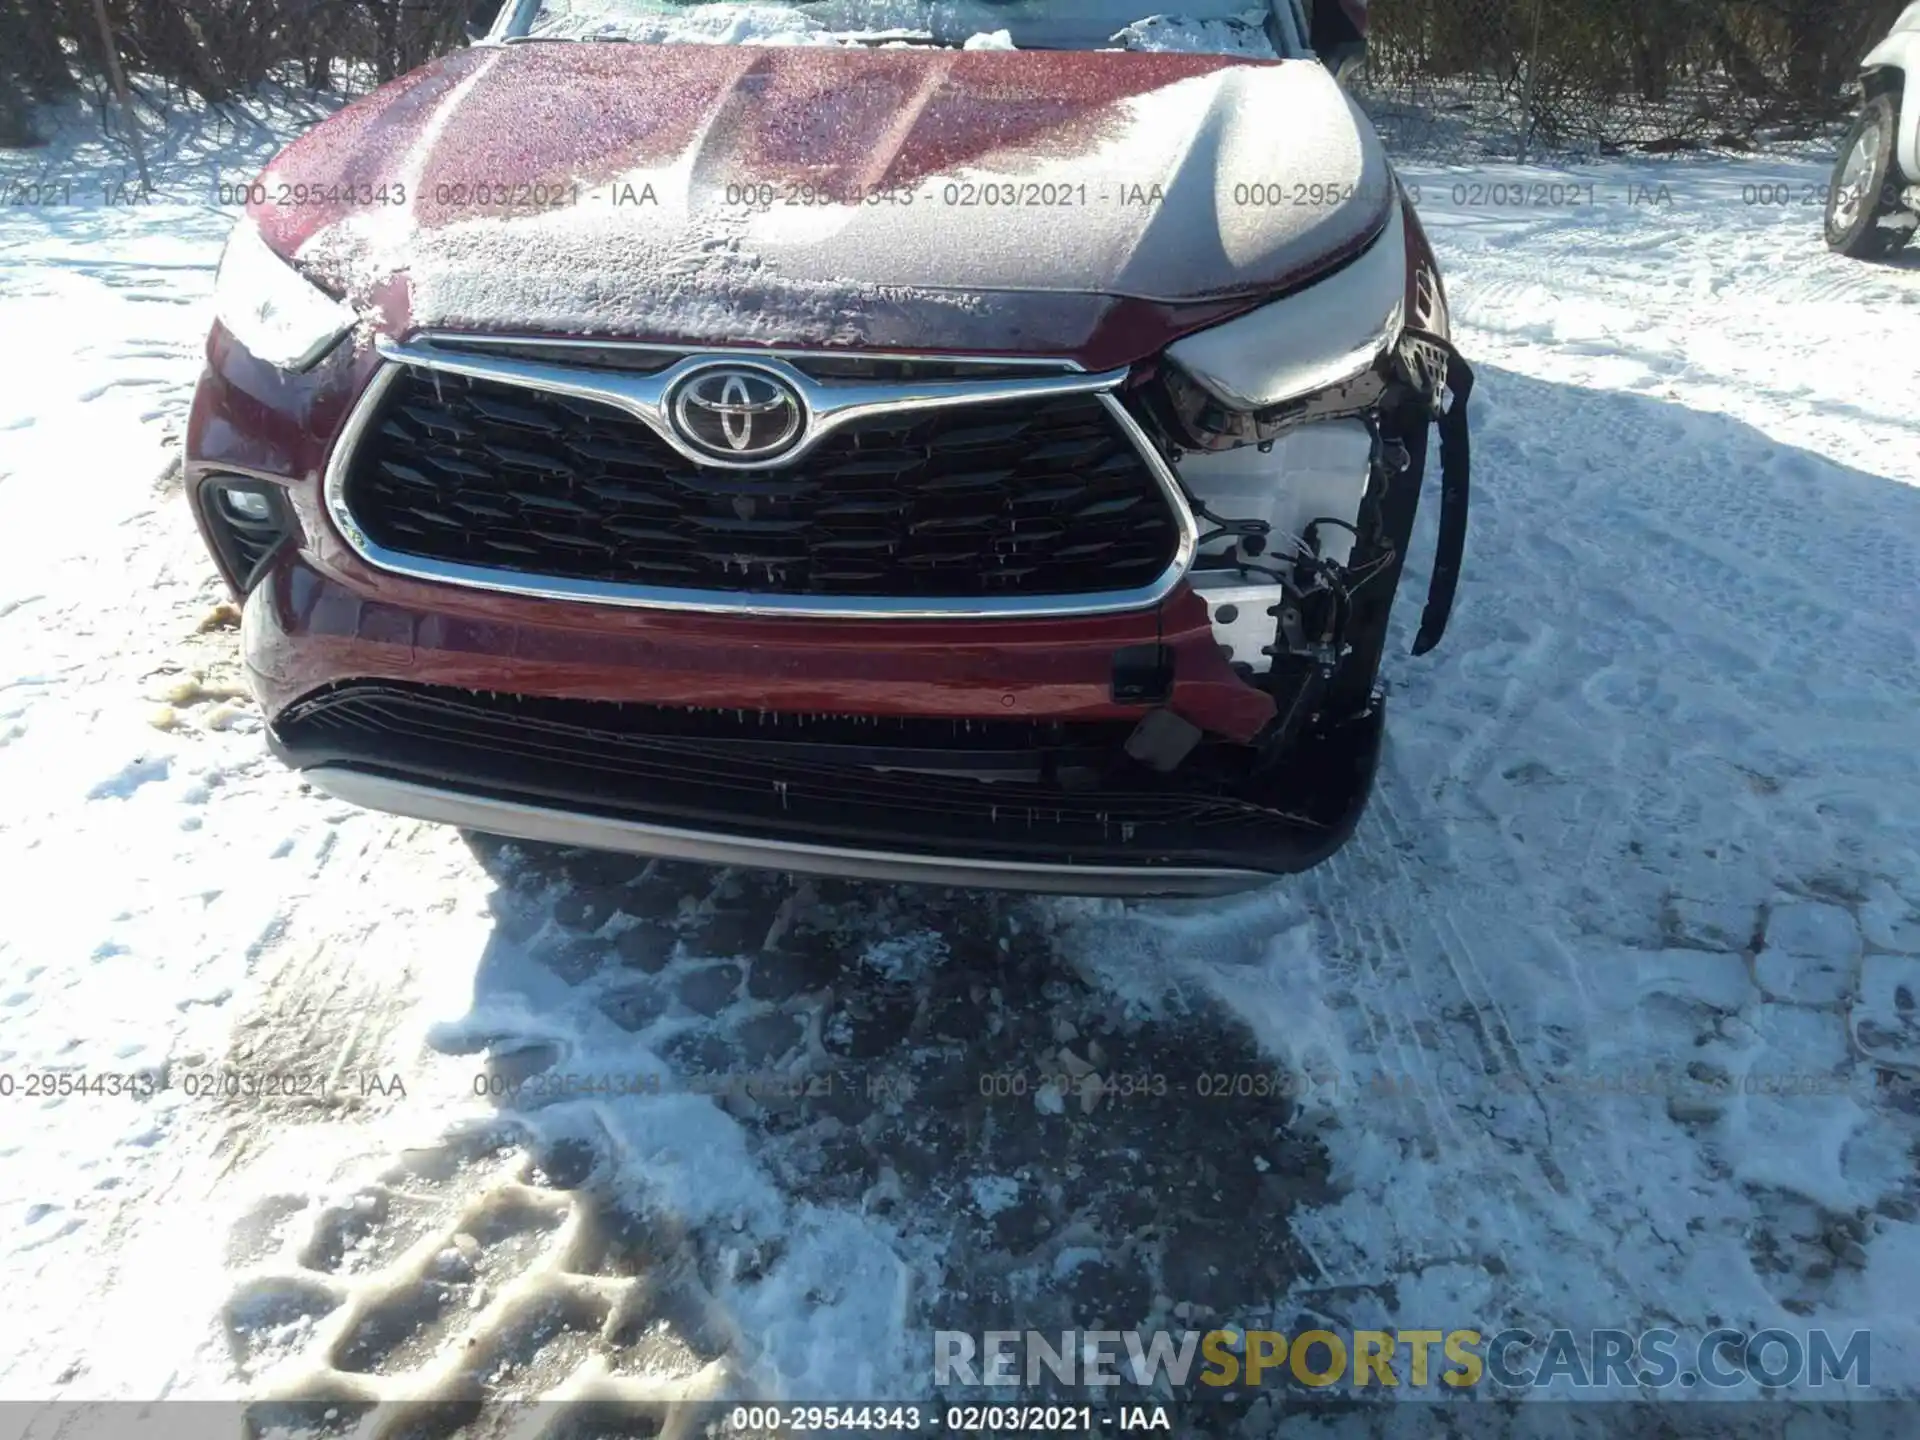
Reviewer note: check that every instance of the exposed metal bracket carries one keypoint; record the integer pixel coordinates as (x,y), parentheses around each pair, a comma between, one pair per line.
(1242,615)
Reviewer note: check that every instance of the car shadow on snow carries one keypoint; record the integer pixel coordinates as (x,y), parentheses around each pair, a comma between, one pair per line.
(1716,606)
(919,1057)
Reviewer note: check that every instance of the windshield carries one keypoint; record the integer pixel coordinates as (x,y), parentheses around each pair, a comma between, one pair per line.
(1231,26)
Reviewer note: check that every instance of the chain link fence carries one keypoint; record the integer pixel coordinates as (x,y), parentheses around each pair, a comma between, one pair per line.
(1526,79)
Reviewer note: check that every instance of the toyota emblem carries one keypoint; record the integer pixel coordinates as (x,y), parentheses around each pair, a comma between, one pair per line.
(737,414)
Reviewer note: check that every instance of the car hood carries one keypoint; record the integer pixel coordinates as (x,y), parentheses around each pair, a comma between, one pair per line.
(896,197)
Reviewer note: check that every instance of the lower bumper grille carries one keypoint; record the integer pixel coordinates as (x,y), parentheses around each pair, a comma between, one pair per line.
(1061,793)
(1040,498)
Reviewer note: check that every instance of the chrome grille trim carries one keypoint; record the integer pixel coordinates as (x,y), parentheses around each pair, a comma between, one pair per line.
(830,404)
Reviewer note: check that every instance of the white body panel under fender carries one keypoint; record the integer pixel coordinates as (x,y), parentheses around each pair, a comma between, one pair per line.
(1314,472)
(1901,51)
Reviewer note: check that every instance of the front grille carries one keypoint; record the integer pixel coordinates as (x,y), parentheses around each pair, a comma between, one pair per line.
(1025,498)
(605,735)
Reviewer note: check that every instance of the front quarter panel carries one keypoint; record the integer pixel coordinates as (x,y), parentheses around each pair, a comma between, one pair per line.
(1426,297)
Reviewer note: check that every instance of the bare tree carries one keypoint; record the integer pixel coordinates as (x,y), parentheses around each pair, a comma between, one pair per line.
(1603,71)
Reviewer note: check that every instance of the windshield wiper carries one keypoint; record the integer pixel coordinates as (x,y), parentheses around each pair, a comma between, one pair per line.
(922,38)
(568,40)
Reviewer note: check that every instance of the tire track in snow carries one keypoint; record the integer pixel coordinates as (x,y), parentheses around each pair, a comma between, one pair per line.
(490,1262)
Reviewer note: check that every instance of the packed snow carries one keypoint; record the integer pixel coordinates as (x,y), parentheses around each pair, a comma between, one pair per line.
(1606,1017)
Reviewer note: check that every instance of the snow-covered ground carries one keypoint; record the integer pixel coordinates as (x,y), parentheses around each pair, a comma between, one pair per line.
(1649,819)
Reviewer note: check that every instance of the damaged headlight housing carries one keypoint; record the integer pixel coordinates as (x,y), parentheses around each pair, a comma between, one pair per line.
(1273,419)
(1316,352)
(1331,349)
(1294,431)
(273,310)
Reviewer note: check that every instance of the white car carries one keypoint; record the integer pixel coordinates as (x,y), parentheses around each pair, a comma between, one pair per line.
(1873,204)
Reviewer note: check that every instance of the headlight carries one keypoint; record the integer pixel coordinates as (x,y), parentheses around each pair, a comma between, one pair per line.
(1315,352)
(271,308)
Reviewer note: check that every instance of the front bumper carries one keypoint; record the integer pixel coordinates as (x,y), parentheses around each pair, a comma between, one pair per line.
(320,620)
(523,820)
(1063,810)
(307,628)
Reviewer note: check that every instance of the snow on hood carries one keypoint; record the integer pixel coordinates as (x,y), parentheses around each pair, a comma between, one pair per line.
(987,173)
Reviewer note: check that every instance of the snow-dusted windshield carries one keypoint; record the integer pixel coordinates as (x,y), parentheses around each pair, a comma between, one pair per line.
(1234,26)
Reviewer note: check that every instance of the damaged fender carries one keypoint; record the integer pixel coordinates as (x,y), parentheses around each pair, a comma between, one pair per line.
(1455,483)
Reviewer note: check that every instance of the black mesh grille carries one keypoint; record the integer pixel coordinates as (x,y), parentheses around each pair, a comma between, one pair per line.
(1039,498)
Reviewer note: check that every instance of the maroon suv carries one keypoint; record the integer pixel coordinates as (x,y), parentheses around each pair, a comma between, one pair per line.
(875,451)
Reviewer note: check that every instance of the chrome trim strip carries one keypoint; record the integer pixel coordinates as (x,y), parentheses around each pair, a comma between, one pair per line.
(613,387)
(521,821)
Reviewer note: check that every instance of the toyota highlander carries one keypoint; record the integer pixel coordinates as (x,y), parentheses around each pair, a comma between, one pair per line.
(971,443)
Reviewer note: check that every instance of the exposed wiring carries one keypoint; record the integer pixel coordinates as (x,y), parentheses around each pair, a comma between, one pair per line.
(1239,529)
(1329,520)
(1371,570)
(1337,582)
(1279,577)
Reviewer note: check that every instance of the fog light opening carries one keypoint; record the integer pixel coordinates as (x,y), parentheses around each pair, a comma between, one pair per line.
(249,521)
